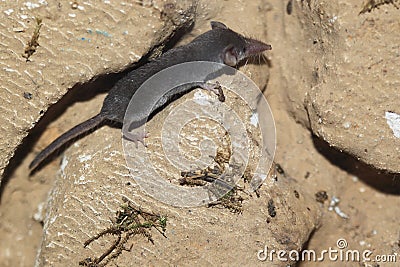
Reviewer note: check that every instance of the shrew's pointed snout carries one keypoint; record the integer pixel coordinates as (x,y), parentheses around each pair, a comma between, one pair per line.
(254,47)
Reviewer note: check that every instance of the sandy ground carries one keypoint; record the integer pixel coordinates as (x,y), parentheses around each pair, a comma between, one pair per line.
(365,217)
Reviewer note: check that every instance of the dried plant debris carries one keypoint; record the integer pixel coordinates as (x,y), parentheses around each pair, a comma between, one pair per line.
(271,208)
(321,196)
(33,43)
(202,177)
(279,169)
(231,201)
(129,222)
(372,4)
(215,173)
(222,183)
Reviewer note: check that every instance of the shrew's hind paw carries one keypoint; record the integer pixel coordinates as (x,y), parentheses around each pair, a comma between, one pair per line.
(216,88)
(136,138)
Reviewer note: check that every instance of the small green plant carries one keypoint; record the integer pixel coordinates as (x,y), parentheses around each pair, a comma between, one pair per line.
(129,221)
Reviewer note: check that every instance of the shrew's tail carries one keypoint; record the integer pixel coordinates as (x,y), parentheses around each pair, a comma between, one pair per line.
(78,130)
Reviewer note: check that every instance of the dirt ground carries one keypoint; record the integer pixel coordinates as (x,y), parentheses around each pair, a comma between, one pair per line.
(304,74)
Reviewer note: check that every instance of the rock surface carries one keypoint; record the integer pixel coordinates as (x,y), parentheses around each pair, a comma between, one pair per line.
(345,77)
(76,42)
(329,71)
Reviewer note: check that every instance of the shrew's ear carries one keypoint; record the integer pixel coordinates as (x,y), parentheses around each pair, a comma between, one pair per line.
(218,25)
(230,56)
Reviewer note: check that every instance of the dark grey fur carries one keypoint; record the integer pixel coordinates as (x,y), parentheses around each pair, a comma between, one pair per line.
(220,44)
